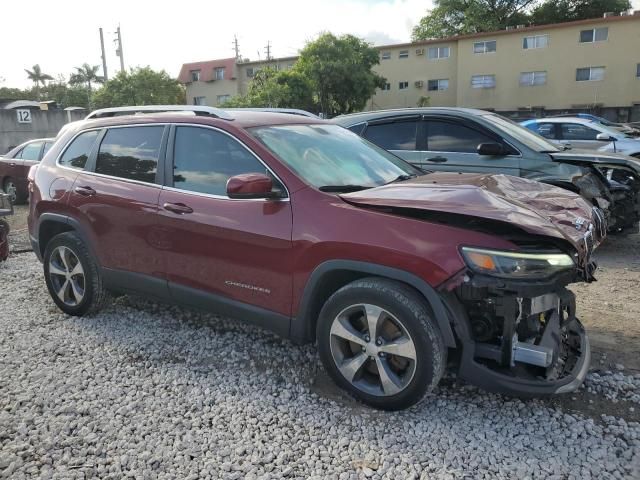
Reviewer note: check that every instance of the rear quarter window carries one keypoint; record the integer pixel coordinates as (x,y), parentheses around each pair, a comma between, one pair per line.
(131,153)
(77,153)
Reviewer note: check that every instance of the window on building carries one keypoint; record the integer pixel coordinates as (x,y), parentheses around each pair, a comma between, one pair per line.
(438,52)
(130,152)
(31,151)
(530,79)
(386,55)
(403,54)
(638,70)
(484,47)
(205,159)
(594,35)
(199,100)
(221,99)
(386,87)
(250,72)
(587,74)
(452,137)
(403,85)
(195,75)
(576,131)
(219,73)
(483,81)
(393,135)
(76,155)
(535,41)
(440,84)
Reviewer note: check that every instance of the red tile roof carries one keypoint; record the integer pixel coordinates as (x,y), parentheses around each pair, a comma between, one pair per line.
(207,70)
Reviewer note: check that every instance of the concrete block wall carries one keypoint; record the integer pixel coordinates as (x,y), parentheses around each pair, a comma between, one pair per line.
(44,123)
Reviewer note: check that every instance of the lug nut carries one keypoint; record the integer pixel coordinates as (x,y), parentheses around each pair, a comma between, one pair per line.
(366,338)
(379,341)
(381,355)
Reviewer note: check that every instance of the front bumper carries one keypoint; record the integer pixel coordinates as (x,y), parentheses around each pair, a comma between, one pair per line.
(510,359)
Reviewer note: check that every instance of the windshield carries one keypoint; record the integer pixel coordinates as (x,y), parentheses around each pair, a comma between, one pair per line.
(330,155)
(522,134)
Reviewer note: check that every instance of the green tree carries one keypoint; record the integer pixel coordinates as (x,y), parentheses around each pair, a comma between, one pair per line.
(279,89)
(557,11)
(86,75)
(38,77)
(339,69)
(139,86)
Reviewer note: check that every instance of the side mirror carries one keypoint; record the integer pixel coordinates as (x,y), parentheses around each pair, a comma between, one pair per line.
(605,137)
(250,185)
(492,149)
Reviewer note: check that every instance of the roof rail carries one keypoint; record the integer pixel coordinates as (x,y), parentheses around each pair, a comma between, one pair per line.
(290,111)
(132,110)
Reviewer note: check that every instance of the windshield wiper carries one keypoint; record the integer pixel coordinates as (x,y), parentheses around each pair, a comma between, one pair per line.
(342,188)
(401,178)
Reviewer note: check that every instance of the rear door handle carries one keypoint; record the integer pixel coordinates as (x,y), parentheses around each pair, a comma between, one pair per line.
(85,191)
(179,208)
(437,159)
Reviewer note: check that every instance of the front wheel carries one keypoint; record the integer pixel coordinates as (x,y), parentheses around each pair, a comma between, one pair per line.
(72,276)
(378,340)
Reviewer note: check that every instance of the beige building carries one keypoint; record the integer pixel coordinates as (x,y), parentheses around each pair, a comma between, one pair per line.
(583,65)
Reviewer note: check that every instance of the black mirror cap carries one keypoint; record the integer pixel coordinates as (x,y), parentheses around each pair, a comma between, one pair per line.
(492,149)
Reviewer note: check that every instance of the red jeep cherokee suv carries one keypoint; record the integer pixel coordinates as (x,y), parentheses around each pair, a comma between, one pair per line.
(307,229)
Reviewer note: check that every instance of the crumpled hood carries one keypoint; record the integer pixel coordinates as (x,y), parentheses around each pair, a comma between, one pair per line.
(534,207)
(597,157)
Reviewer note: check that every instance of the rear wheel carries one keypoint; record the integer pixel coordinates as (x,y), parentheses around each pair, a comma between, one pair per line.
(72,276)
(378,340)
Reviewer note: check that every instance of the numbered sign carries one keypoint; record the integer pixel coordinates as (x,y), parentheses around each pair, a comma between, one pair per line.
(24,116)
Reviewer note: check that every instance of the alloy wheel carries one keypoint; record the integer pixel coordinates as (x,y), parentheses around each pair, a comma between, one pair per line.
(67,276)
(373,350)
(11,190)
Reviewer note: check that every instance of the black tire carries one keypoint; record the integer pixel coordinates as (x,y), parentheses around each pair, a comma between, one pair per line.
(95,295)
(8,185)
(415,315)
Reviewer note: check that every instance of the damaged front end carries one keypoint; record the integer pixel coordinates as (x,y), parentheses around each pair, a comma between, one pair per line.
(517,321)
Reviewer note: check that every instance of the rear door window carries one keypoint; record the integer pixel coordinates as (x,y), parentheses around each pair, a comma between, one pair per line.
(452,137)
(131,153)
(76,154)
(31,151)
(393,135)
(47,147)
(576,131)
(204,159)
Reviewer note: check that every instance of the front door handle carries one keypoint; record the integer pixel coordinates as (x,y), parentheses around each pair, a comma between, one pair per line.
(179,208)
(12,164)
(85,191)
(437,159)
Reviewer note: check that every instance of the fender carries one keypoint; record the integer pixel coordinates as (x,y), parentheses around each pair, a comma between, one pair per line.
(58,218)
(303,324)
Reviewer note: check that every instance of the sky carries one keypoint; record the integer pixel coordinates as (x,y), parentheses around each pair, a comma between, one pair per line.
(64,34)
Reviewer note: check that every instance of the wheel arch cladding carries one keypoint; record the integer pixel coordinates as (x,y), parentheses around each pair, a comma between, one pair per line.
(332,275)
(52,224)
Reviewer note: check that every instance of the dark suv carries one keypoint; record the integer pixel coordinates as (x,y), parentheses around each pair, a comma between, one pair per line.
(468,140)
(305,228)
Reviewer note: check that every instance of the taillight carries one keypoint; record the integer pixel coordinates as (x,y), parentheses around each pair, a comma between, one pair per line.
(31,177)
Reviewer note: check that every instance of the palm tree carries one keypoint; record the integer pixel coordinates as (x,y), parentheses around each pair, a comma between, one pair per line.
(37,77)
(85,75)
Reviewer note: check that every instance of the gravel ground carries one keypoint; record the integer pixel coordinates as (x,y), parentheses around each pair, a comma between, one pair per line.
(150,391)
(143,390)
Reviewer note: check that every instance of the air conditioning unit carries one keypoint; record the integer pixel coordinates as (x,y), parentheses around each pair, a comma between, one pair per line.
(418,84)
(419,51)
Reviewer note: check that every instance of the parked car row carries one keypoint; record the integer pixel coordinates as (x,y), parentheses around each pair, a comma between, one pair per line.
(466,140)
(308,229)
(15,165)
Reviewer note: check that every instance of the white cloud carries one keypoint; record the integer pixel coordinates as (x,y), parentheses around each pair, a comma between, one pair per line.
(61,35)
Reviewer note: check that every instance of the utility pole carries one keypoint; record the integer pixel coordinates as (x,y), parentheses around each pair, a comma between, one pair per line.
(236,47)
(267,50)
(104,57)
(119,53)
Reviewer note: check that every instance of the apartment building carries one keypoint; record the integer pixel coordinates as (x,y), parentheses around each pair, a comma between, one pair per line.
(584,65)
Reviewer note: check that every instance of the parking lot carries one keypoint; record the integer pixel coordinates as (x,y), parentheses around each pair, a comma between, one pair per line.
(144,390)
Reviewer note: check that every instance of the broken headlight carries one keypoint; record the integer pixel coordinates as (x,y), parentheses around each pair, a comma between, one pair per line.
(502,263)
